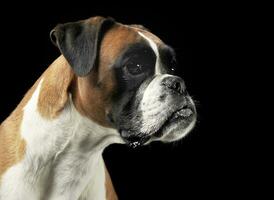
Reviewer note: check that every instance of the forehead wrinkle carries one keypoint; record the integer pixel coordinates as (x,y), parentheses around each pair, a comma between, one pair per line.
(151,43)
(115,41)
(156,51)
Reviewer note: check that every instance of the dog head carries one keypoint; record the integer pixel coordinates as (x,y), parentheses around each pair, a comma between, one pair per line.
(126,79)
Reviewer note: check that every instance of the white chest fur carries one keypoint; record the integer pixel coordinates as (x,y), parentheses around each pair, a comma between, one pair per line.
(63,157)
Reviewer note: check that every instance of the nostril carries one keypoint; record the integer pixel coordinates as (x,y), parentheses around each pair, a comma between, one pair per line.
(177,86)
(174,83)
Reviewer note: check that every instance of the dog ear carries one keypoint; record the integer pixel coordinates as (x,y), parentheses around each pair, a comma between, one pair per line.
(79,42)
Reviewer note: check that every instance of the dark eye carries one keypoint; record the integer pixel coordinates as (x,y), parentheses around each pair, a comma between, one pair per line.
(134,68)
(173,66)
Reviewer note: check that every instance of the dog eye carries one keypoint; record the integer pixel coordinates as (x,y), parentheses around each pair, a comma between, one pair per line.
(172,66)
(134,68)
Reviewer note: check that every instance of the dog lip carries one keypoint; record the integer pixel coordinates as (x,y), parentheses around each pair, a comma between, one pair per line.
(183,113)
(137,142)
(132,139)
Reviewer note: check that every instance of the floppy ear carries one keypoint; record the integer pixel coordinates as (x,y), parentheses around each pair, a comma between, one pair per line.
(79,42)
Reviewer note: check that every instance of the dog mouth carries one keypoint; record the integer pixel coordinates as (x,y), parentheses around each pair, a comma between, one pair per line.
(134,140)
(183,115)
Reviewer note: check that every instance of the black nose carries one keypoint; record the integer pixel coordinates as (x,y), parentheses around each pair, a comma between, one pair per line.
(174,83)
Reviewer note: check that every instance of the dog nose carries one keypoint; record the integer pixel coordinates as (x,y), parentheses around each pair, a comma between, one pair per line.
(174,83)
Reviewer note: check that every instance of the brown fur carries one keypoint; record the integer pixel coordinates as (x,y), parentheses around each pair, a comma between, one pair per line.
(54,93)
(12,146)
(52,98)
(148,34)
(93,94)
(110,191)
(54,89)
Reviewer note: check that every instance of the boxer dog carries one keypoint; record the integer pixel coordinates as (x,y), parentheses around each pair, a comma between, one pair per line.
(113,83)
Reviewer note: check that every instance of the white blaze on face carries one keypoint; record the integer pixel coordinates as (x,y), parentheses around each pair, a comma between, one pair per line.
(155,112)
(152,109)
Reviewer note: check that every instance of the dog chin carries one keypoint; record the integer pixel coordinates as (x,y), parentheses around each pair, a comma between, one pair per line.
(176,132)
(177,126)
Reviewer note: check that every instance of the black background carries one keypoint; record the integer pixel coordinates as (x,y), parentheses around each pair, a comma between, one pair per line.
(206,163)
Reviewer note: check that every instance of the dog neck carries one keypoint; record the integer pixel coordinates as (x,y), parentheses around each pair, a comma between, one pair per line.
(63,151)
